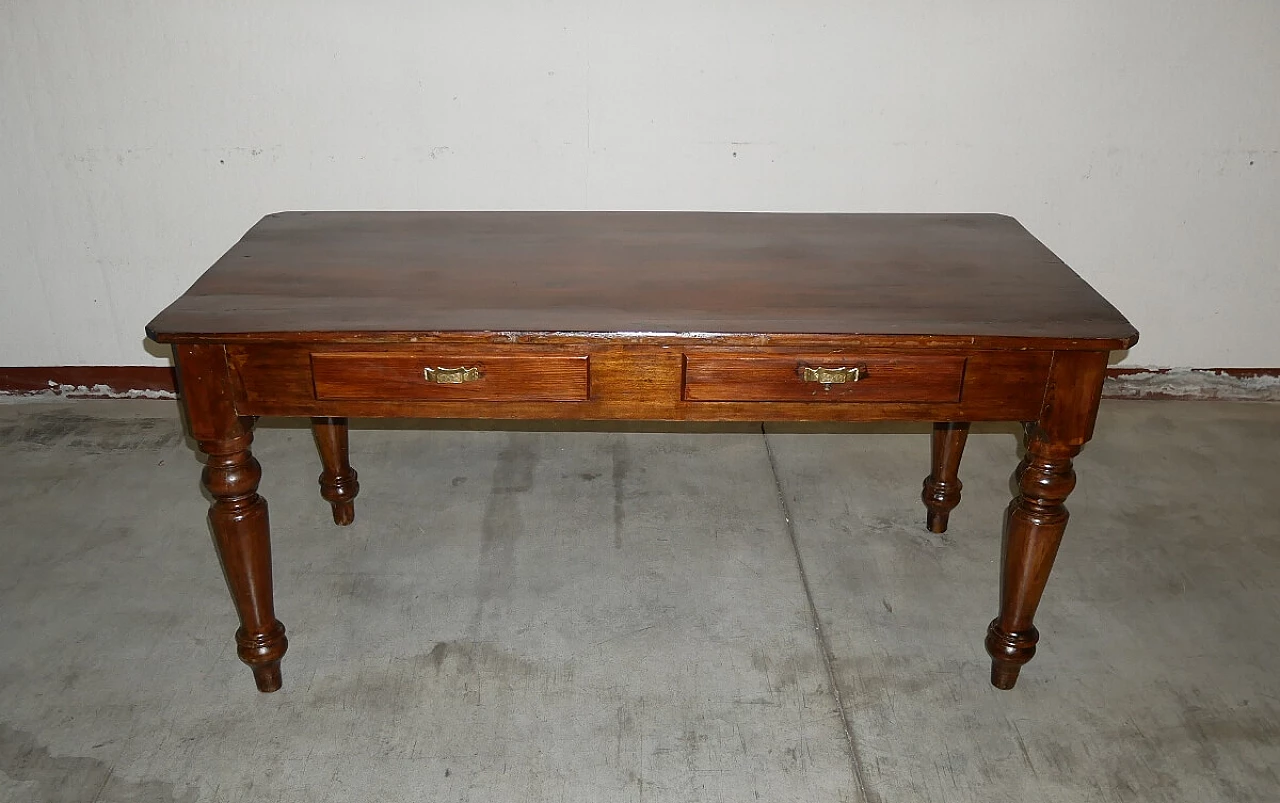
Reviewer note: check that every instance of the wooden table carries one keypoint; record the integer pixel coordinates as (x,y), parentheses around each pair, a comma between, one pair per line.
(656,316)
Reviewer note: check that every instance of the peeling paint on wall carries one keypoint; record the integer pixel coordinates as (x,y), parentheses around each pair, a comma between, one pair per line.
(1193,383)
(56,391)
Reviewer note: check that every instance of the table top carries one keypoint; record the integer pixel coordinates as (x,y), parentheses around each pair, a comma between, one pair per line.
(679,274)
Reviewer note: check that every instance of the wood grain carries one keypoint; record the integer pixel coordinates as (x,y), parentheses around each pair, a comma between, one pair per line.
(882,377)
(941,492)
(1037,517)
(643,382)
(959,279)
(339,482)
(400,376)
(238,514)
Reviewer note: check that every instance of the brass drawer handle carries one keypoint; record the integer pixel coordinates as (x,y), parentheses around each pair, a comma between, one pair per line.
(832,376)
(451,376)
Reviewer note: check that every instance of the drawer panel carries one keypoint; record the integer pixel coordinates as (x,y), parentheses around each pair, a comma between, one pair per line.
(849,377)
(409,376)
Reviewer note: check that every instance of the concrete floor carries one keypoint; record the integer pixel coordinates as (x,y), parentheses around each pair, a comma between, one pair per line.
(599,616)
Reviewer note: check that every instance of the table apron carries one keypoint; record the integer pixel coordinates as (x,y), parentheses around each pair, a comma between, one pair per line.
(648,382)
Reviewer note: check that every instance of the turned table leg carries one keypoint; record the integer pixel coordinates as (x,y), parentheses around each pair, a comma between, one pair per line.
(242,535)
(1034,524)
(942,487)
(338,483)
(238,515)
(1037,517)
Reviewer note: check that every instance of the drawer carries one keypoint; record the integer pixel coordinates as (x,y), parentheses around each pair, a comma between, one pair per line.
(413,376)
(847,377)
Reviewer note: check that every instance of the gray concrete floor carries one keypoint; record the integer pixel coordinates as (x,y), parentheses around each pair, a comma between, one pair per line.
(623,616)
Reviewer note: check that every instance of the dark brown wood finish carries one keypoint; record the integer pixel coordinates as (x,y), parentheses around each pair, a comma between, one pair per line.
(238,515)
(942,487)
(958,280)
(659,316)
(338,480)
(868,376)
(1037,517)
(636,381)
(478,375)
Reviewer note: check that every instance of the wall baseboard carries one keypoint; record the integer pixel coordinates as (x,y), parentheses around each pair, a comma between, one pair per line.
(90,382)
(159,382)
(1202,384)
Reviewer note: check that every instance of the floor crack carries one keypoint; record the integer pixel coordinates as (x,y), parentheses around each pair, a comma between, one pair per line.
(824,646)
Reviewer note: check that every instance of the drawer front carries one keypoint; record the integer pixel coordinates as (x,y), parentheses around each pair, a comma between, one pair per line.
(823,378)
(406,376)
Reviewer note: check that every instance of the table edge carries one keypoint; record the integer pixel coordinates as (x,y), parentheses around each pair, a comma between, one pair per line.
(760,339)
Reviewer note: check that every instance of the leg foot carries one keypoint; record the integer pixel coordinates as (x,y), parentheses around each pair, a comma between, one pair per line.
(267,676)
(338,480)
(942,487)
(344,513)
(1004,676)
(1009,651)
(936,522)
(262,653)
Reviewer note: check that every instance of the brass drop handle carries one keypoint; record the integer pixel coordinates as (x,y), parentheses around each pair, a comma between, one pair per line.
(832,376)
(451,376)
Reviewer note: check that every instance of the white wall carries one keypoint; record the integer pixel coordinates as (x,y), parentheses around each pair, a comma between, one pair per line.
(1140,140)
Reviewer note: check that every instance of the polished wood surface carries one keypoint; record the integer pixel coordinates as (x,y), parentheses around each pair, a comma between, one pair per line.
(876,377)
(942,487)
(638,381)
(958,279)
(1037,517)
(481,376)
(238,515)
(339,483)
(658,316)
